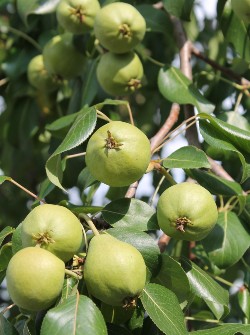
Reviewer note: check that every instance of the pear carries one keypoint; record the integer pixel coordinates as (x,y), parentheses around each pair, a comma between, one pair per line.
(114,271)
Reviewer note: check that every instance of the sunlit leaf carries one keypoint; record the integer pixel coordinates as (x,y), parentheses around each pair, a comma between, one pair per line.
(187,157)
(77,315)
(163,308)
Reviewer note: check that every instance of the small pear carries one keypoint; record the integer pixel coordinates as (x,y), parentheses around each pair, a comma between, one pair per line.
(114,271)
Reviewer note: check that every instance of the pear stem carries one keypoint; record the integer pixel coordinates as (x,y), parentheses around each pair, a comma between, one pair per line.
(26,190)
(72,274)
(90,223)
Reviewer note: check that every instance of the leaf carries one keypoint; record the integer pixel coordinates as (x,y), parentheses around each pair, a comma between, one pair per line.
(163,308)
(221,135)
(69,288)
(90,83)
(227,329)
(179,8)
(227,242)
(75,316)
(215,184)
(228,134)
(235,33)
(63,122)
(244,301)
(25,8)
(205,287)
(6,328)
(188,157)
(5,232)
(3,179)
(85,179)
(142,242)
(173,277)
(131,213)
(5,256)
(171,81)
(80,130)
(156,20)
(16,240)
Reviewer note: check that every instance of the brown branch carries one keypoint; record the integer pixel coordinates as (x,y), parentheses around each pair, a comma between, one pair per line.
(228,72)
(156,140)
(218,170)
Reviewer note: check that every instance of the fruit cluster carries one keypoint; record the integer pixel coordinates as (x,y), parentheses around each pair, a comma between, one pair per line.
(51,235)
(118,27)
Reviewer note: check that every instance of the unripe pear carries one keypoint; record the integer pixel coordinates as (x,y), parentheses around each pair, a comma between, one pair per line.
(242,9)
(55,228)
(34,278)
(114,271)
(186,211)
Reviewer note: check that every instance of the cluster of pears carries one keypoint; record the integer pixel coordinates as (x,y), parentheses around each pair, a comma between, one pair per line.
(118,27)
(51,235)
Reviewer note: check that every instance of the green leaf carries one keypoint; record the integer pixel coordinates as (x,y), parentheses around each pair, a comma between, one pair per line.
(215,184)
(244,301)
(143,242)
(227,329)
(221,135)
(69,288)
(173,277)
(77,315)
(163,308)
(63,122)
(227,133)
(90,83)
(179,8)
(80,130)
(131,213)
(235,33)
(17,239)
(5,256)
(25,8)
(6,328)
(227,242)
(5,232)
(85,179)
(205,287)
(188,157)
(156,20)
(171,81)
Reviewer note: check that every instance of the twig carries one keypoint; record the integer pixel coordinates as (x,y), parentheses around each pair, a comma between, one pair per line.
(166,127)
(228,72)
(218,170)
(163,242)
(26,190)
(156,140)
(132,190)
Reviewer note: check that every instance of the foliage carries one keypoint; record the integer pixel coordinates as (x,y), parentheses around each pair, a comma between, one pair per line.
(192,287)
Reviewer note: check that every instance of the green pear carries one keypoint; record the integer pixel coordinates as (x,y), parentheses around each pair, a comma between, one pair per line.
(114,271)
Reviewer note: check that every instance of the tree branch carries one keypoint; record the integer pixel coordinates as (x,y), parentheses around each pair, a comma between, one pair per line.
(228,72)
(156,140)
(185,47)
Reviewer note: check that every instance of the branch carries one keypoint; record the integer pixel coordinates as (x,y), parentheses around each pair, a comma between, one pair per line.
(185,47)
(228,72)
(156,140)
